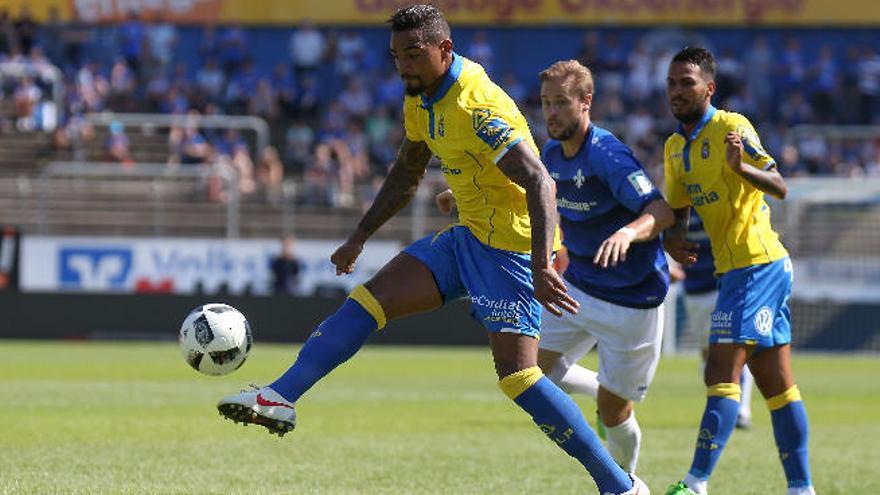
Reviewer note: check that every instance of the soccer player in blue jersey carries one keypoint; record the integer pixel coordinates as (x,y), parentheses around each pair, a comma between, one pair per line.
(700,294)
(498,255)
(716,164)
(611,215)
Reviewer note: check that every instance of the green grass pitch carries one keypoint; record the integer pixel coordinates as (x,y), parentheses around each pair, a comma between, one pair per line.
(122,418)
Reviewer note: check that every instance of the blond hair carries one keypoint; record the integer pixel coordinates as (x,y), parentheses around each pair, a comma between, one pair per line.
(572,74)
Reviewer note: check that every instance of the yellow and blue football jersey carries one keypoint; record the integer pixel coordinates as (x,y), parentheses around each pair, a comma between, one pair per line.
(733,211)
(470,123)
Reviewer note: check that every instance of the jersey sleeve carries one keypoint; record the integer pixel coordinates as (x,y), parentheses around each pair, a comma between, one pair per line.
(494,127)
(410,120)
(755,155)
(625,177)
(676,195)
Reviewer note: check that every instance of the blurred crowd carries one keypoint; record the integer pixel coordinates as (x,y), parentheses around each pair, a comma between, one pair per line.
(333,100)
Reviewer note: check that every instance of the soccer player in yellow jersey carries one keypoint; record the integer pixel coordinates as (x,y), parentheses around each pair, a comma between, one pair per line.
(715,163)
(498,255)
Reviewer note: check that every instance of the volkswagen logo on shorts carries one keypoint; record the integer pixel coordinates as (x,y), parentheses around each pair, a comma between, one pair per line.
(764,321)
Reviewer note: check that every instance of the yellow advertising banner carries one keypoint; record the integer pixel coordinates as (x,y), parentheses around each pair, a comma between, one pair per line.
(478,12)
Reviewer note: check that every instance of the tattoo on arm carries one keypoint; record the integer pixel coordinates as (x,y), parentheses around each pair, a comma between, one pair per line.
(398,189)
(525,169)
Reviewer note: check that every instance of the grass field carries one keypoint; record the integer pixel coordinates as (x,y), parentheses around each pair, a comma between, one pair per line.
(122,418)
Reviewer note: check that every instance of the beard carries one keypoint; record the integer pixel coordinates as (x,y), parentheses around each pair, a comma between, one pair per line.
(687,115)
(566,132)
(413,86)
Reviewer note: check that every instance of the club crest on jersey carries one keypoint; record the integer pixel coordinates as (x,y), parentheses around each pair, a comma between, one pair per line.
(579,179)
(704,149)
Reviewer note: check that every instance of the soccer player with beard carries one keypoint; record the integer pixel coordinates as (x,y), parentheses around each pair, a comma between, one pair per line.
(716,164)
(611,216)
(499,254)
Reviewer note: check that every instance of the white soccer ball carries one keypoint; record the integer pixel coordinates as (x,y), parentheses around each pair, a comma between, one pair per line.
(215,339)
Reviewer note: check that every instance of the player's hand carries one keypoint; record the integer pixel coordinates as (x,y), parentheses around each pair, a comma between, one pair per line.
(613,249)
(551,292)
(445,201)
(734,152)
(681,250)
(345,256)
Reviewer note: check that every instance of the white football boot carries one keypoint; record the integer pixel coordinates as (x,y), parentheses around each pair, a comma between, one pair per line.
(639,488)
(261,406)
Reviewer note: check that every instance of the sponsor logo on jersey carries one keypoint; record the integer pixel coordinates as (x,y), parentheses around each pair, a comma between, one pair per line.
(493,130)
(764,321)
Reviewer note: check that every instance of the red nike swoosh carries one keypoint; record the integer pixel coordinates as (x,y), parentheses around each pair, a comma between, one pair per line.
(264,402)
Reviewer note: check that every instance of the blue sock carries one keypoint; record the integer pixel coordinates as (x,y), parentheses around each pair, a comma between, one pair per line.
(561,420)
(719,419)
(791,430)
(337,339)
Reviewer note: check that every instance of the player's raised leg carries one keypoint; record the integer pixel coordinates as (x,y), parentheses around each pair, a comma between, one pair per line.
(336,340)
(772,370)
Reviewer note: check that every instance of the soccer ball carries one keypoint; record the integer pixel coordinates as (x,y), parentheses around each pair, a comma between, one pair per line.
(215,339)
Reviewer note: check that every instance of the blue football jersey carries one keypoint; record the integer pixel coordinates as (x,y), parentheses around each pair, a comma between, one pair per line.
(598,191)
(701,275)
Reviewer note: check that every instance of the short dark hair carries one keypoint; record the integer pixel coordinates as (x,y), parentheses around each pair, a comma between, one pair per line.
(427,19)
(698,56)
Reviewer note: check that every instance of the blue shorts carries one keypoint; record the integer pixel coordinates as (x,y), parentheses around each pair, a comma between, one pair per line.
(498,283)
(752,306)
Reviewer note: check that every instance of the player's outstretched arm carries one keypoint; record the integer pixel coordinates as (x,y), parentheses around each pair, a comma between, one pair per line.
(656,217)
(396,192)
(674,239)
(525,169)
(769,181)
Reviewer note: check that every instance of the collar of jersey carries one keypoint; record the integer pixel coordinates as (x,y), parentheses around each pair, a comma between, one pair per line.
(448,80)
(710,112)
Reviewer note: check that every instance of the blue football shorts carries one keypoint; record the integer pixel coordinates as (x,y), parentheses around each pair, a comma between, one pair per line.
(752,306)
(498,282)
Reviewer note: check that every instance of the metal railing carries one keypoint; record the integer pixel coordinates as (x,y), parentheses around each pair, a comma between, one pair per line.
(157,173)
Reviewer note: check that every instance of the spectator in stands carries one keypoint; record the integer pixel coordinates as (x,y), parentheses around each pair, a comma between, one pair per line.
(117,147)
(481,51)
(795,110)
(264,101)
(209,44)
(350,53)
(162,37)
(232,149)
(270,175)
(51,37)
(299,141)
(869,84)
(309,98)
(759,78)
(26,99)
(187,144)
(792,67)
(122,85)
(210,80)
(8,38)
(824,77)
(515,89)
(389,90)
(233,49)
(284,85)
(26,29)
(287,268)
(307,49)
(132,37)
(356,101)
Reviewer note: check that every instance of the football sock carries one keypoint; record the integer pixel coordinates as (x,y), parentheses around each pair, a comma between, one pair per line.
(575,379)
(560,419)
(746,384)
(790,428)
(624,442)
(719,419)
(334,341)
(696,485)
